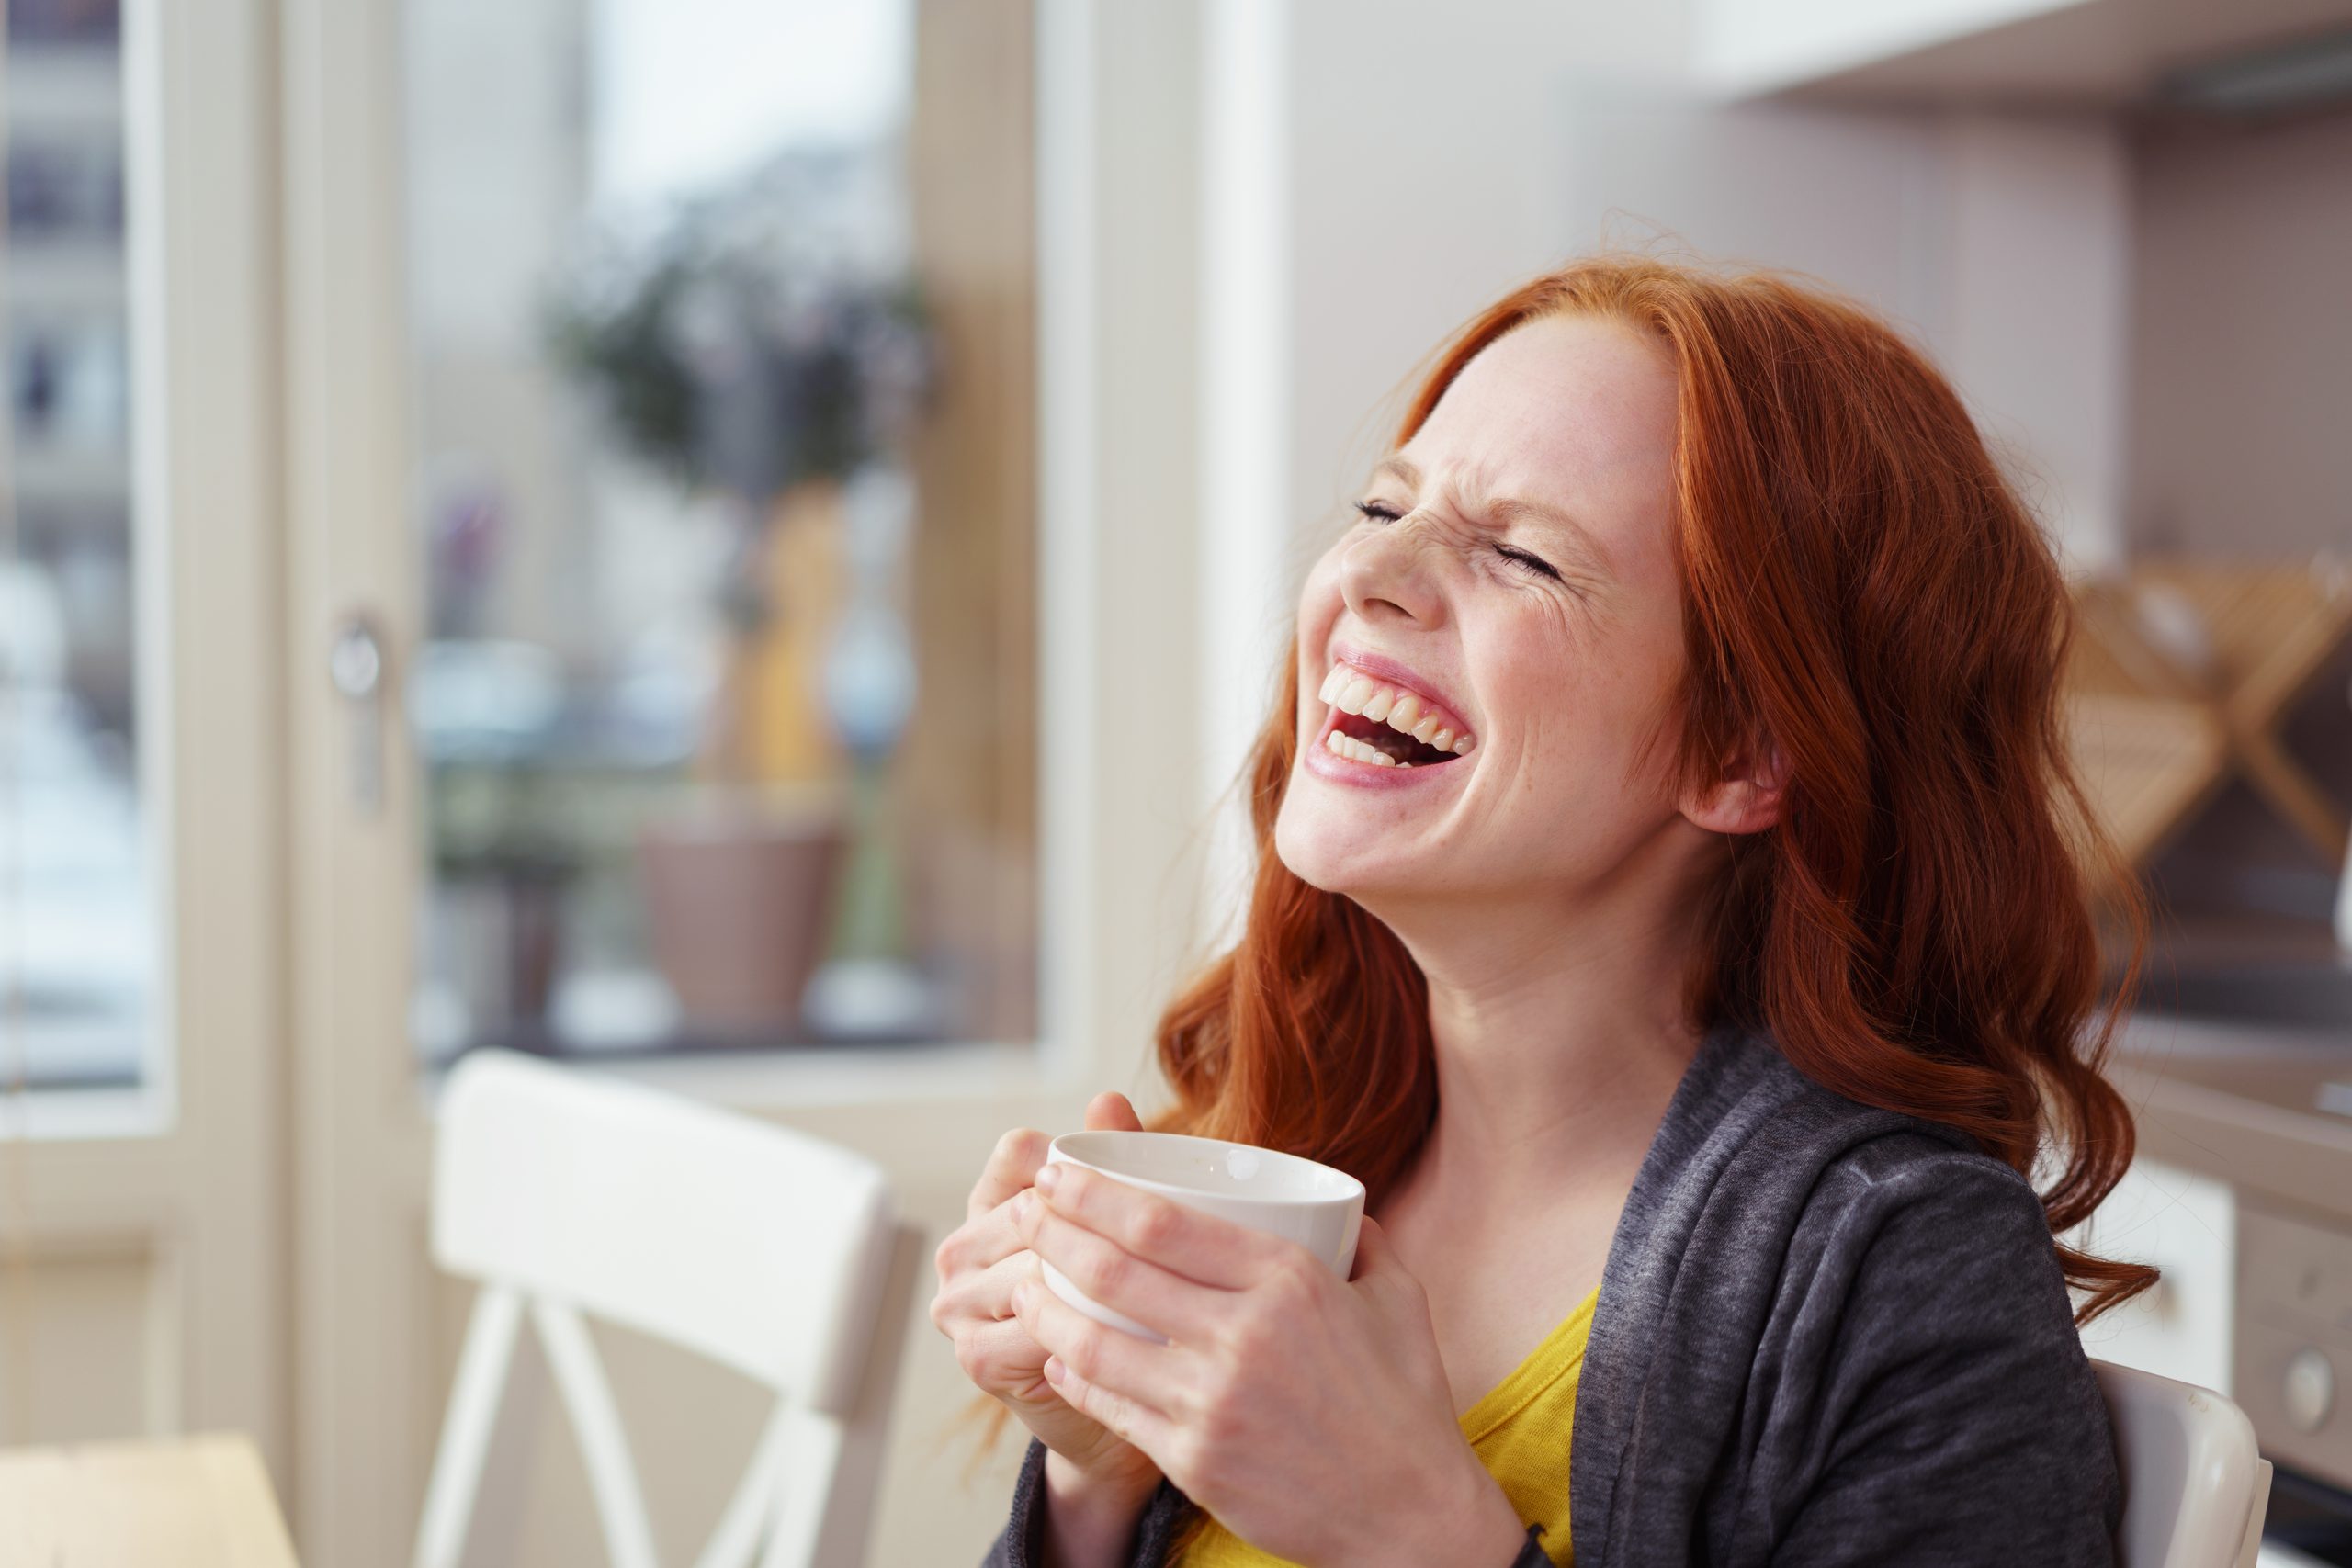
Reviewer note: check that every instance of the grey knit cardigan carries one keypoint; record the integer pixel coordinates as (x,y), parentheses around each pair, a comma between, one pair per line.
(1827,1335)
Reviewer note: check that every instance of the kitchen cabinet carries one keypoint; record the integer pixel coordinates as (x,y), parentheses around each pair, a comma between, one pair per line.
(2185,1224)
(2079,53)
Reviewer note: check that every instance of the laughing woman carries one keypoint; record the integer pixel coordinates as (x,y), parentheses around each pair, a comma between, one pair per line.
(1664,906)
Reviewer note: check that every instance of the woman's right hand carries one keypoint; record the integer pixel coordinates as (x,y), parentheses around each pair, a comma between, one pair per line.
(980,1264)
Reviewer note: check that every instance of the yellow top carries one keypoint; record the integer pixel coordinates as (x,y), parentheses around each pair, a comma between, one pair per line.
(1520,1431)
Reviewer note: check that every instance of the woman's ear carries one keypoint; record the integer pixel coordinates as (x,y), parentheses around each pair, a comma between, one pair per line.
(1746,799)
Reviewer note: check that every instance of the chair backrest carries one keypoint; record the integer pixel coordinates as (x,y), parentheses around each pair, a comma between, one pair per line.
(766,1250)
(2196,1487)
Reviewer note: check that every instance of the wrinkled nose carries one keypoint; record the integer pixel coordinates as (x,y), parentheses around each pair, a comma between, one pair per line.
(1390,573)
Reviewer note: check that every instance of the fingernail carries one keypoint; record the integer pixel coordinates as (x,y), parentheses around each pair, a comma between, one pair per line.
(1055,1370)
(1049,1178)
(1021,1296)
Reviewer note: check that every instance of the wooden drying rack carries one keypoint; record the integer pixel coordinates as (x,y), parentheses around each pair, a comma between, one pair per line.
(2179,678)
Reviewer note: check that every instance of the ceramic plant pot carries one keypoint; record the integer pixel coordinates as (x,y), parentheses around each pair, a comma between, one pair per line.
(738,896)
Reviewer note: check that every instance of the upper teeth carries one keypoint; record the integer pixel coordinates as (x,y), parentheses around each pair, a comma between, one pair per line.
(1401,710)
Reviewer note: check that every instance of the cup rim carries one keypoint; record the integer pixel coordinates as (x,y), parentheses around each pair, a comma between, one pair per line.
(1357,1189)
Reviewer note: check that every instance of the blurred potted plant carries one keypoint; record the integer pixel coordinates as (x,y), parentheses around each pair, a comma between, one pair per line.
(754,349)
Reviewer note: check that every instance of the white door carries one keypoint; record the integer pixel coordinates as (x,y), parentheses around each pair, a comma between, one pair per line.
(143,1284)
(619,734)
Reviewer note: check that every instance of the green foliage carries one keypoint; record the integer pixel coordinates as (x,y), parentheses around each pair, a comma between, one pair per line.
(627,353)
(728,360)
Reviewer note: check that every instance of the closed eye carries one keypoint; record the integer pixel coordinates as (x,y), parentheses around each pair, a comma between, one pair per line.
(1536,564)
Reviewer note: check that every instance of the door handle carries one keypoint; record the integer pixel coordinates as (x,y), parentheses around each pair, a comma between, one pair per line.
(355,669)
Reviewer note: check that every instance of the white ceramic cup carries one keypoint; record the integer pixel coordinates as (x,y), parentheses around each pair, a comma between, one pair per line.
(1313,1204)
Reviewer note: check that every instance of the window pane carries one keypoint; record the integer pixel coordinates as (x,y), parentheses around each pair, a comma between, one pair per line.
(76,943)
(721,335)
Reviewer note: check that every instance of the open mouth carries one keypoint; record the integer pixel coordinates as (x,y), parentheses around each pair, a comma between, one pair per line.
(1351,735)
(1385,725)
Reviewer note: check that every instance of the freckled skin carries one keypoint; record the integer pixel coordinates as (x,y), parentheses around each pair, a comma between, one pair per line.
(1561,682)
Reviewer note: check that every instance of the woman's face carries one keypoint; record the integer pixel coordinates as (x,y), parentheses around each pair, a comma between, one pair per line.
(1508,592)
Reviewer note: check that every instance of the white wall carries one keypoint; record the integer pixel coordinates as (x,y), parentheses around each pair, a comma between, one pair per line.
(2244,368)
(1438,159)
(1428,171)
(2001,241)
(2036,329)
(1758,45)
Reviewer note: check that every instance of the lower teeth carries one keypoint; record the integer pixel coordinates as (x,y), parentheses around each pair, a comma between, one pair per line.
(1340,744)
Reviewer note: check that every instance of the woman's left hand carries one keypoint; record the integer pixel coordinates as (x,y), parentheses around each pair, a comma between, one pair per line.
(1311,1416)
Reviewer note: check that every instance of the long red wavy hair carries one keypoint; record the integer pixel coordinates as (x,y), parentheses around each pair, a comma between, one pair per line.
(1864,588)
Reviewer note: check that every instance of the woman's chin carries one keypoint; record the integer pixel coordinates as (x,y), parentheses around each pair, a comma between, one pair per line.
(1307,853)
(1340,858)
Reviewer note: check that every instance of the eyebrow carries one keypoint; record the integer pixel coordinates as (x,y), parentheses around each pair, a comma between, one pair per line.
(1510,509)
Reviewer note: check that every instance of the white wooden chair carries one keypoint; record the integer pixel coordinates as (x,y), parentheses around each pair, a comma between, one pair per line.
(2196,1488)
(768,1251)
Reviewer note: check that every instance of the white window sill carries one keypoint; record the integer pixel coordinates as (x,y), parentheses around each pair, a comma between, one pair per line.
(74,1115)
(785,1079)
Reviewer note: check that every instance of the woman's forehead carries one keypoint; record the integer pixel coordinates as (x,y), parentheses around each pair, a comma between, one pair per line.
(1562,408)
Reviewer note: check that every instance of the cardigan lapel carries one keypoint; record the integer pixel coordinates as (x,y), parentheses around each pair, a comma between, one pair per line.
(1714,1108)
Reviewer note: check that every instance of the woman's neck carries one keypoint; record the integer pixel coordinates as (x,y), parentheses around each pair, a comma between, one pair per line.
(1559,1040)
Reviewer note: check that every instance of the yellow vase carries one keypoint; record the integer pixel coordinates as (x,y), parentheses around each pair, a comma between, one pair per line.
(782,733)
